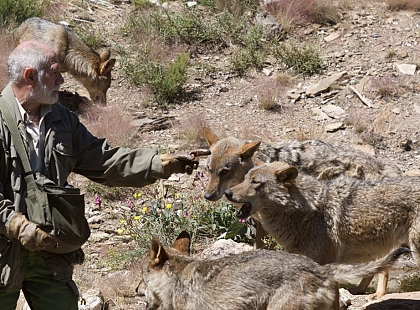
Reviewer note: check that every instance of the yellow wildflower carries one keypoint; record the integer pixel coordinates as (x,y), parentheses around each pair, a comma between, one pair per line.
(176,195)
(122,221)
(137,195)
(120,231)
(168,205)
(144,210)
(137,217)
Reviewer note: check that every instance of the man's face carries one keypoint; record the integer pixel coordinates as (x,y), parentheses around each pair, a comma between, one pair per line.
(48,84)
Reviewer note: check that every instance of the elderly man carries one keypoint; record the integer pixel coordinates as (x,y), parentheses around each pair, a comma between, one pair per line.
(57,144)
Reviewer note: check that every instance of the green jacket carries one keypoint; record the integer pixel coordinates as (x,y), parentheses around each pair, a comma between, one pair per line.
(69,147)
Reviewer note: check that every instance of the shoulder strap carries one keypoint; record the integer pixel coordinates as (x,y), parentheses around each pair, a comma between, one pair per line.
(17,140)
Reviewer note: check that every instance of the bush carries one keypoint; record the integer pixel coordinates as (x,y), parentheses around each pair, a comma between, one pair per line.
(306,59)
(92,38)
(154,214)
(164,81)
(14,12)
(252,53)
(397,5)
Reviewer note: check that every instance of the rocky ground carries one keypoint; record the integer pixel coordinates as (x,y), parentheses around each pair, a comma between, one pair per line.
(368,98)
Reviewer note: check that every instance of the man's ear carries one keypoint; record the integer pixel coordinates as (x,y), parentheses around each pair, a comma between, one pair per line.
(157,253)
(31,76)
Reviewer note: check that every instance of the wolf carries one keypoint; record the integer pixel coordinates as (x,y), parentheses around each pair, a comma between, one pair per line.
(232,158)
(345,220)
(256,280)
(91,69)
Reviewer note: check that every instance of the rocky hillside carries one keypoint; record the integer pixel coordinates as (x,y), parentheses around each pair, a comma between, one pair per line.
(367,97)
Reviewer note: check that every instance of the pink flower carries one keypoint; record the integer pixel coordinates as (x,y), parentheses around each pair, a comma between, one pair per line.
(97,201)
(129,203)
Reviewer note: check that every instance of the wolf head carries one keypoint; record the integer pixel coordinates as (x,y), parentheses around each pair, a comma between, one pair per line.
(157,284)
(262,184)
(229,162)
(97,79)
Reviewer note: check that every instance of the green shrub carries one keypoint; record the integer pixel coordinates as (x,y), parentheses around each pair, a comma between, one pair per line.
(164,80)
(91,37)
(235,7)
(140,4)
(306,59)
(14,12)
(252,53)
(154,214)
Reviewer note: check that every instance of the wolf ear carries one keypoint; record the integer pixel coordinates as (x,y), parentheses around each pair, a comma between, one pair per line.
(248,149)
(287,175)
(106,66)
(182,243)
(105,54)
(157,253)
(211,138)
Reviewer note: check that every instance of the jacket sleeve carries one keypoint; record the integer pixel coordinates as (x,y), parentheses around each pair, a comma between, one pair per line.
(113,166)
(7,209)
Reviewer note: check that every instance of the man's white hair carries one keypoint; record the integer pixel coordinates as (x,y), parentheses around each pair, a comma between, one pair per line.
(28,55)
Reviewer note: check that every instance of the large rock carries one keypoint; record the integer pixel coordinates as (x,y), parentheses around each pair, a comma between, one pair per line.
(396,301)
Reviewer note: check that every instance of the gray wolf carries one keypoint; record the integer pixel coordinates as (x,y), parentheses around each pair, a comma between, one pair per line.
(345,220)
(260,279)
(91,69)
(232,158)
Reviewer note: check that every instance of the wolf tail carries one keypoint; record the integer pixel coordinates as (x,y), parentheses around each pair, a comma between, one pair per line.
(345,273)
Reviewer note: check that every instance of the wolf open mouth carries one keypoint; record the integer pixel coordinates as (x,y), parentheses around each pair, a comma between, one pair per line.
(245,211)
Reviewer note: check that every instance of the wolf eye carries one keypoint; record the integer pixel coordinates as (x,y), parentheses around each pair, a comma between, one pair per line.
(224,171)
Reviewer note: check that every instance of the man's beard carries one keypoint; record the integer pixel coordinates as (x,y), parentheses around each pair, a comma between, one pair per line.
(41,95)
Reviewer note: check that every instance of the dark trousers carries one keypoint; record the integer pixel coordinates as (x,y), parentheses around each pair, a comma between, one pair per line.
(40,288)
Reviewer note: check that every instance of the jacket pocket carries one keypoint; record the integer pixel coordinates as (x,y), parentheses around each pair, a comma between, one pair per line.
(63,155)
(63,143)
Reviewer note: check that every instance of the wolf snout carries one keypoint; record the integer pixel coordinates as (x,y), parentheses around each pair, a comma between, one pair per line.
(210,196)
(228,194)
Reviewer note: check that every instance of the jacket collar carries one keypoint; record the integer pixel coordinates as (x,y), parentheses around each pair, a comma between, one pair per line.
(10,99)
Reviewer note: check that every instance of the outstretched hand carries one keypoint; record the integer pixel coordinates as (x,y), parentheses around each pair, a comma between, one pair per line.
(181,162)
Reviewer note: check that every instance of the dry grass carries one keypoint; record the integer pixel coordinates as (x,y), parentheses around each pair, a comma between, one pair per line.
(191,128)
(6,47)
(290,13)
(284,79)
(110,122)
(397,5)
(269,92)
(386,86)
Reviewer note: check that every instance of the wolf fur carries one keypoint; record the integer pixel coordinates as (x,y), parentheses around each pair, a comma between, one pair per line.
(344,220)
(232,158)
(254,280)
(87,66)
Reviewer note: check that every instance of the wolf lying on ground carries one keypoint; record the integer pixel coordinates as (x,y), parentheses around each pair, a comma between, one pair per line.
(88,67)
(251,280)
(344,220)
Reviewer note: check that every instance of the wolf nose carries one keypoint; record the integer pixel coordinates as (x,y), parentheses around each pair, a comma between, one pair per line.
(209,196)
(228,194)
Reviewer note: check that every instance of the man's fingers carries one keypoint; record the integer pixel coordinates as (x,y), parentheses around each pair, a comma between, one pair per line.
(200,152)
